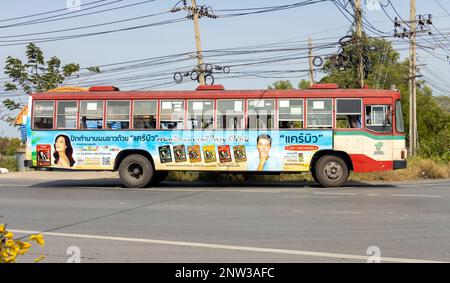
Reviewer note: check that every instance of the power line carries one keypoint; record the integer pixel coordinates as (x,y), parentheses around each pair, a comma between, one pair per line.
(48,12)
(58,17)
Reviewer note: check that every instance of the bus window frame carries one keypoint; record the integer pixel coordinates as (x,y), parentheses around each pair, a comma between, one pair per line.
(395,113)
(278,113)
(33,113)
(129,114)
(184,113)
(244,114)
(76,116)
(366,126)
(321,127)
(212,116)
(133,113)
(362,114)
(103,114)
(275,121)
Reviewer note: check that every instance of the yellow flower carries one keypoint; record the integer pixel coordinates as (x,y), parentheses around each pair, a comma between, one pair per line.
(39,258)
(9,235)
(2,228)
(9,243)
(24,247)
(38,238)
(4,254)
(11,259)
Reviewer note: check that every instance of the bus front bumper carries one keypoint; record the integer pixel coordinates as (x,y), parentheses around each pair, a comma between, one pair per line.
(400,164)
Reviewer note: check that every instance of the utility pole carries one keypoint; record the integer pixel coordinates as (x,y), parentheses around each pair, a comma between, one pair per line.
(198,44)
(194,13)
(359,43)
(412,82)
(310,57)
(409,29)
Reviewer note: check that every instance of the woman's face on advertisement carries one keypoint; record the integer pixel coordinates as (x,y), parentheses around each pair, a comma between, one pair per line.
(61,144)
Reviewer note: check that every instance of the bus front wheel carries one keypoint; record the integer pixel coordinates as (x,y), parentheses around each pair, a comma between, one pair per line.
(136,171)
(331,171)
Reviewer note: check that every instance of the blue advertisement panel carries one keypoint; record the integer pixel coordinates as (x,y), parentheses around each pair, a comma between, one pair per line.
(273,151)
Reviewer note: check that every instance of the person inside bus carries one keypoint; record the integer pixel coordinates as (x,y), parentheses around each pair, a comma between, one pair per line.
(83,122)
(63,152)
(354,121)
(265,161)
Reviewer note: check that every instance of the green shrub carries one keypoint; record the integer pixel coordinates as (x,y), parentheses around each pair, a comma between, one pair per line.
(10,163)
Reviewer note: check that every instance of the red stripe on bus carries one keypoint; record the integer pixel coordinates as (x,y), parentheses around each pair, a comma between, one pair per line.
(363,163)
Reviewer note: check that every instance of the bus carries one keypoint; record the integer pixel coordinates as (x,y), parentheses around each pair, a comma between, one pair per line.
(143,135)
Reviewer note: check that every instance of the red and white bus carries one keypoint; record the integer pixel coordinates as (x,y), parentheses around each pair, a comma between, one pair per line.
(145,134)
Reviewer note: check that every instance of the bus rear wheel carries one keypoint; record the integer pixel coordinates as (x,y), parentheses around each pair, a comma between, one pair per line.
(331,171)
(136,171)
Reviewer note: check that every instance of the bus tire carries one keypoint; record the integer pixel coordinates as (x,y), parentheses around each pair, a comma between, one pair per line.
(331,171)
(314,175)
(136,171)
(158,177)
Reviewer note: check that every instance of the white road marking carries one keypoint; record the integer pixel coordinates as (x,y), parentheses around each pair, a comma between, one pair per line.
(421,196)
(227,247)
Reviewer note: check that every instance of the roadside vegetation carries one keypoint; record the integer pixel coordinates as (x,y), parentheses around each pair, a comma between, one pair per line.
(8,147)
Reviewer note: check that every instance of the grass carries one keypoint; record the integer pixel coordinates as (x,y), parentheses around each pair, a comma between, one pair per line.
(418,169)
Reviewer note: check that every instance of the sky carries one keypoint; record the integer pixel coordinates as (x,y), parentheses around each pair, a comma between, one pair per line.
(235,36)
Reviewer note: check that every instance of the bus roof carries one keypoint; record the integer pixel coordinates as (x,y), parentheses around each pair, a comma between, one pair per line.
(105,93)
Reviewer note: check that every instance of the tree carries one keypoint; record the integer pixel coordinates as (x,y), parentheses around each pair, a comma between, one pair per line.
(35,75)
(281,85)
(303,84)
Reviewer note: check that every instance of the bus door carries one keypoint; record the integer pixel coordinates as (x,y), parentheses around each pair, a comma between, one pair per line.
(378,143)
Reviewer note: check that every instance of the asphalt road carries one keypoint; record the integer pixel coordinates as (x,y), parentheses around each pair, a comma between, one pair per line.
(187,222)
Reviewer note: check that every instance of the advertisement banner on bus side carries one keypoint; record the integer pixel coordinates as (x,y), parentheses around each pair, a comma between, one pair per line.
(273,151)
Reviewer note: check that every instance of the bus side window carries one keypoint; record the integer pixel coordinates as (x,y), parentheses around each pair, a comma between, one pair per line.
(66,117)
(379,118)
(91,115)
(230,114)
(118,115)
(290,113)
(172,115)
(320,113)
(348,113)
(43,115)
(200,114)
(261,114)
(144,115)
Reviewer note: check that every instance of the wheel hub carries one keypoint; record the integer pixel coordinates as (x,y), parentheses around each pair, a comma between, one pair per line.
(333,170)
(135,171)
